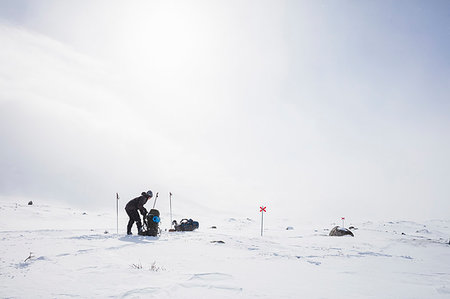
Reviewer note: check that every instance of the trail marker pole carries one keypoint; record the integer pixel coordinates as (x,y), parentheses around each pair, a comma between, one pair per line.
(117,213)
(262,210)
(343,219)
(170,202)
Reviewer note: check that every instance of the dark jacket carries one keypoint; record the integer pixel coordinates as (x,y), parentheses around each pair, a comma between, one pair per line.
(138,204)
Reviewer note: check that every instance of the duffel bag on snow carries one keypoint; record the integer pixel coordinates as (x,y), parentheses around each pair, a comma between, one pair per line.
(185,225)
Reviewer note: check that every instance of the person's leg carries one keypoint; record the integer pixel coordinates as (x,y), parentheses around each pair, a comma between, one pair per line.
(138,223)
(129,226)
(134,217)
(139,227)
(131,221)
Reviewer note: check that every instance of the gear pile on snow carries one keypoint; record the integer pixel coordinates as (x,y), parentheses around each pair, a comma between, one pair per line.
(185,225)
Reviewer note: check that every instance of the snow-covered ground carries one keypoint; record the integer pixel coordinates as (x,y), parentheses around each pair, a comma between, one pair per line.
(49,251)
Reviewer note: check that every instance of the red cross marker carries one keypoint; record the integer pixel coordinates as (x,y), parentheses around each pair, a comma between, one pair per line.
(262,209)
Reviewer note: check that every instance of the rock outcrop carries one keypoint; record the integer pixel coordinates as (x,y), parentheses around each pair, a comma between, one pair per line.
(340,231)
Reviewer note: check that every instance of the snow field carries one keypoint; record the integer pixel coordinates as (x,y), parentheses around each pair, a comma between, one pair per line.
(78,254)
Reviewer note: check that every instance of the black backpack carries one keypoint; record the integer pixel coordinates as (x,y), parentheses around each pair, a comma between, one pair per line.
(152,223)
(186,225)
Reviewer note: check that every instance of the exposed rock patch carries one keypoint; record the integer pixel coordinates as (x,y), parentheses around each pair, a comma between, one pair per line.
(340,231)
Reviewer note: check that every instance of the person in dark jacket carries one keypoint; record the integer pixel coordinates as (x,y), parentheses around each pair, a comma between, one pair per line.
(132,208)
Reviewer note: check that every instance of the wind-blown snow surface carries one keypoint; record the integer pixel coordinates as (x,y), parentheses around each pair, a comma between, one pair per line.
(48,251)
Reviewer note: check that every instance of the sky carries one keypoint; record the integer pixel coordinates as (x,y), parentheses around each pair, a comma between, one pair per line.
(311,108)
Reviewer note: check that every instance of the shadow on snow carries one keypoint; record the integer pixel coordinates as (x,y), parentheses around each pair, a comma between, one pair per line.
(138,239)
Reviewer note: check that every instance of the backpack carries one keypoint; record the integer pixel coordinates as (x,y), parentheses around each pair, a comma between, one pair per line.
(186,225)
(152,223)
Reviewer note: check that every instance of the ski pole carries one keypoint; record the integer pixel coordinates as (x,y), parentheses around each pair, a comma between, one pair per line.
(117,212)
(170,201)
(156,197)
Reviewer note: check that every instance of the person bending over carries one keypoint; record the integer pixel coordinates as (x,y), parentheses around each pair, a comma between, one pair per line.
(132,208)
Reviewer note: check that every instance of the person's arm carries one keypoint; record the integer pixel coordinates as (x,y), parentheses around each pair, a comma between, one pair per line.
(141,207)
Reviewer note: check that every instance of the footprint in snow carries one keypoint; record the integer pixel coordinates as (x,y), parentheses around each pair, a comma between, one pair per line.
(443,290)
(215,280)
(370,253)
(210,276)
(137,293)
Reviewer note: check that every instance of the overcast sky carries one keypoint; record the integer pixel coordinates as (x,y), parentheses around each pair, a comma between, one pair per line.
(312,108)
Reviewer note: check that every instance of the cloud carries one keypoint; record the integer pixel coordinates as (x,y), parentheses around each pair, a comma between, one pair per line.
(60,120)
(228,105)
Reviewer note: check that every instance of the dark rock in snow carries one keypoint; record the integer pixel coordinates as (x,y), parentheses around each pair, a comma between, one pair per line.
(213,227)
(340,231)
(352,227)
(30,203)
(219,242)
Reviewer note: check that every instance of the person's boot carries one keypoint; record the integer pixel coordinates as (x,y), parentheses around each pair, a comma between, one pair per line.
(130,224)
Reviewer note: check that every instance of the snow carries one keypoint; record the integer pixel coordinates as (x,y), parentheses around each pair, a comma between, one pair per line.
(49,251)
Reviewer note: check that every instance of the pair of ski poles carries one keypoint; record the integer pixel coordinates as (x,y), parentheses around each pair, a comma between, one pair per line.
(170,202)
